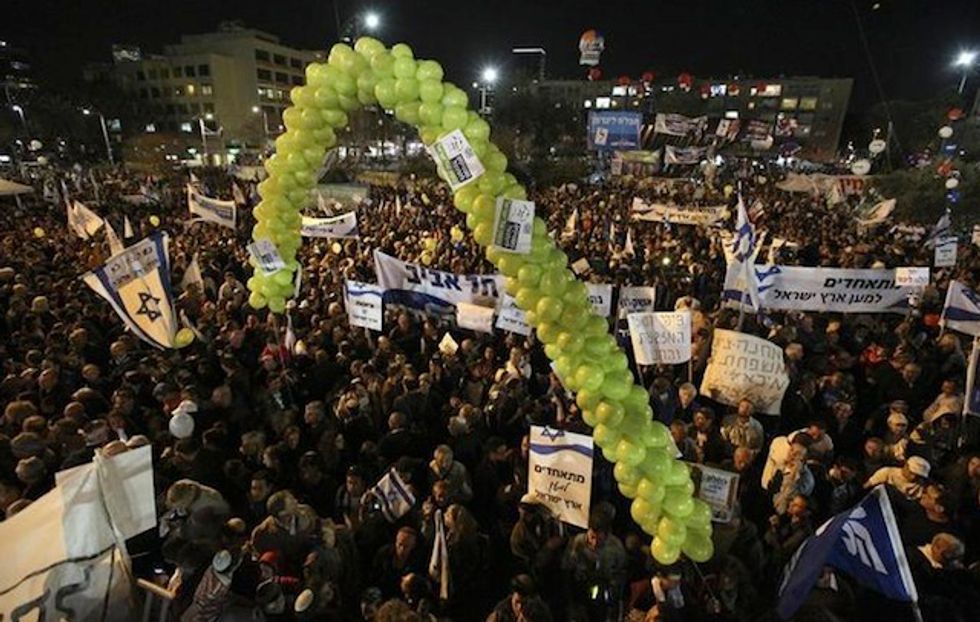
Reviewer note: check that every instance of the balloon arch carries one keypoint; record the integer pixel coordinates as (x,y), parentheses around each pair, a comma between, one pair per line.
(585,355)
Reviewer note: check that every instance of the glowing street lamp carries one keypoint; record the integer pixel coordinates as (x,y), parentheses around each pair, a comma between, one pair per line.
(490,75)
(372,21)
(105,133)
(966,59)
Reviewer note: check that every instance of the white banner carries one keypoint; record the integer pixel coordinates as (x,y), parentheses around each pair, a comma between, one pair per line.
(511,318)
(58,552)
(718,488)
(83,221)
(673,124)
(424,289)
(560,473)
(600,295)
(211,210)
(945,253)
(343,226)
(365,304)
(657,212)
(745,367)
(474,317)
(842,290)
(640,299)
(683,155)
(454,155)
(661,338)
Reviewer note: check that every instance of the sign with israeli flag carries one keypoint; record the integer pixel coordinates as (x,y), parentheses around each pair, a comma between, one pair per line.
(945,252)
(136,283)
(560,473)
(863,543)
(210,210)
(511,317)
(365,305)
(343,226)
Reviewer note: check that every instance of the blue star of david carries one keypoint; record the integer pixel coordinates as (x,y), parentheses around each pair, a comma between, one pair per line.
(552,434)
(153,313)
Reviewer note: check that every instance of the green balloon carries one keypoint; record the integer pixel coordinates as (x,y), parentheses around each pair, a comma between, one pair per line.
(407,112)
(529,275)
(672,530)
(679,473)
(453,96)
(586,400)
(257,300)
(650,490)
(384,90)
(431,114)
(588,416)
(510,264)
(616,387)
(368,47)
(431,91)
(350,103)
(643,511)
(596,326)
(626,474)
(479,130)
(383,65)
(589,377)
(401,50)
(454,118)
(339,52)
(610,413)
(700,515)
(314,74)
(570,342)
(429,70)
(630,452)
(548,333)
(344,84)
(657,464)
(552,351)
(678,504)
(605,437)
(698,548)
(565,366)
(597,346)
(496,161)
(659,435)
(366,82)
(627,491)
(464,197)
(302,96)
(554,282)
(573,317)
(665,552)
(548,309)
(527,298)
(355,65)
(483,233)
(277,304)
(490,182)
(407,89)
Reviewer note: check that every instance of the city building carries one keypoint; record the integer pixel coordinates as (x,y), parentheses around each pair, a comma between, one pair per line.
(528,64)
(16,76)
(230,87)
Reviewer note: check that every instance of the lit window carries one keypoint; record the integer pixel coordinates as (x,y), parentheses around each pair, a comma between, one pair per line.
(186,127)
(790,103)
(772,90)
(588,103)
(808,103)
(733,114)
(190,89)
(207,89)
(178,91)
(603,102)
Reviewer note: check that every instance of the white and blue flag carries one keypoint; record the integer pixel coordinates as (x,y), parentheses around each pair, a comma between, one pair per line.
(394,497)
(962,309)
(941,230)
(863,543)
(136,283)
(743,253)
(210,210)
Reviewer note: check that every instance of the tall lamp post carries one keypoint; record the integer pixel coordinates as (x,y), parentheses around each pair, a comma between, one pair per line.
(265,119)
(965,60)
(105,134)
(488,78)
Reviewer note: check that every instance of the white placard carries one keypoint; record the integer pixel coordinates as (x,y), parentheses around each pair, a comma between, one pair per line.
(718,488)
(743,366)
(448,345)
(580,266)
(474,317)
(661,338)
(600,295)
(365,305)
(912,277)
(266,255)
(511,317)
(513,225)
(945,255)
(560,473)
(639,299)
(455,155)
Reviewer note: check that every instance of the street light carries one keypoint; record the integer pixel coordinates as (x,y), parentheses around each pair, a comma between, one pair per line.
(105,134)
(265,119)
(488,77)
(965,59)
(372,21)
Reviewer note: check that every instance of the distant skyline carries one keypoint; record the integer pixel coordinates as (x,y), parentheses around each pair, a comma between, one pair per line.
(913,42)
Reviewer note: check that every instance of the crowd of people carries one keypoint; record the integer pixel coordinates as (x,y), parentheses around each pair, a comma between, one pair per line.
(265,488)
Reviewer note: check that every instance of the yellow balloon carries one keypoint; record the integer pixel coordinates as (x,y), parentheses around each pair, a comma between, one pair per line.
(336,248)
(38,232)
(430,244)
(456,234)
(155,220)
(729,189)
(183,338)
(426,258)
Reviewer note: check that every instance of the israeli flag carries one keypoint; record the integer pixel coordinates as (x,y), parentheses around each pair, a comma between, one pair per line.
(962,309)
(136,283)
(863,543)
(393,495)
(743,250)
(942,229)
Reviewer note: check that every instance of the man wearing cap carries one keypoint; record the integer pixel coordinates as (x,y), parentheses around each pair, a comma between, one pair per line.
(909,479)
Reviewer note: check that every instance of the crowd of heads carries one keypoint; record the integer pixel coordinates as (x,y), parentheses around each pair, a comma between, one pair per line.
(268,437)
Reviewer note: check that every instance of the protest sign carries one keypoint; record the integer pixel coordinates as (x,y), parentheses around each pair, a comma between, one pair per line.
(912,277)
(513,225)
(474,317)
(675,214)
(661,338)
(343,226)
(600,295)
(745,367)
(636,300)
(365,305)
(560,473)
(266,255)
(718,488)
(511,317)
(945,253)
(454,155)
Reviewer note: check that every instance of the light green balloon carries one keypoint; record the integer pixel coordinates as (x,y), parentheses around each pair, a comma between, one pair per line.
(699,548)
(565,365)
(587,415)
(627,491)
(464,197)
(496,161)
(665,552)
(429,70)
(355,65)
(589,376)
(407,112)
(490,182)
(338,53)
(610,413)
(672,530)
(548,308)
(678,504)
(569,341)
(407,89)
(383,65)
(404,68)
(700,515)
(606,437)
(368,47)
(385,91)
(510,265)
(630,452)
(547,333)
(350,103)
(453,96)
(626,474)
(257,300)
(431,114)
(642,510)
(401,50)
(479,130)
(515,191)
(344,84)
(277,304)
(529,275)
(430,91)
(650,490)
(453,118)
(585,398)
(314,74)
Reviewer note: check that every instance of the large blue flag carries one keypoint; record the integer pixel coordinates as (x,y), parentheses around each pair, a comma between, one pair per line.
(863,543)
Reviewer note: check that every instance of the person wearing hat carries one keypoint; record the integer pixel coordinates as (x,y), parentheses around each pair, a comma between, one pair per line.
(909,479)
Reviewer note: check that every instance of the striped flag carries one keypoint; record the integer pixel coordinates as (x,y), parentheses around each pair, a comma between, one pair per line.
(942,229)
(394,496)
(744,252)
(628,245)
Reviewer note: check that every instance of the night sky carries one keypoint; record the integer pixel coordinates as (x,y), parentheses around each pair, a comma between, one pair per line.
(912,42)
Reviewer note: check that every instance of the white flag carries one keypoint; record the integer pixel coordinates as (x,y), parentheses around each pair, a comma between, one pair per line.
(628,245)
(439,560)
(86,220)
(570,225)
(127,228)
(192,276)
(115,245)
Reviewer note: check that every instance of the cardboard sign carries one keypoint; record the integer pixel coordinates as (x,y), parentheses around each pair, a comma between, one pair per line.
(717,488)
(474,317)
(912,277)
(455,156)
(945,256)
(511,317)
(513,225)
(365,305)
(661,338)
(560,473)
(267,256)
(744,366)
